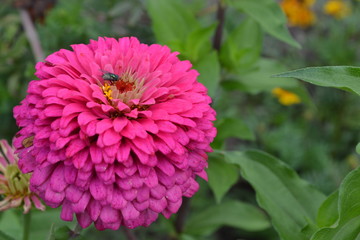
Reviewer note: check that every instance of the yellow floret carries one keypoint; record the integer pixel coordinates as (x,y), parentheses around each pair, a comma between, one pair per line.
(337,8)
(285,97)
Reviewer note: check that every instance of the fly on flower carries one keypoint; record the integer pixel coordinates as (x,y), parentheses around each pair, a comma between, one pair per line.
(112,77)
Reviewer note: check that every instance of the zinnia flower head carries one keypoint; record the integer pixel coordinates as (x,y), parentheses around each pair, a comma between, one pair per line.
(337,8)
(119,131)
(285,97)
(299,12)
(14,186)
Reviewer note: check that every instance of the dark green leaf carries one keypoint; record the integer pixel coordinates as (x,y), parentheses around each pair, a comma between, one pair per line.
(291,202)
(171,20)
(269,15)
(62,233)
(209,69)
(222,175)
(232,213)
(343,77)
(233,127)
(242,47)
(348,225)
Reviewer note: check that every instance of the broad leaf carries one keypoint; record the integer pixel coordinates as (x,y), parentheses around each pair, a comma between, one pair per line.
(232,213)
(291,202)
(222,175)
(348,224)
(198,42)
(242,47)
(328,211)
(358,148)
(10,224)
(171,20)
(209,69)
(233,127)
(343,77)
(269,15)
(260,79)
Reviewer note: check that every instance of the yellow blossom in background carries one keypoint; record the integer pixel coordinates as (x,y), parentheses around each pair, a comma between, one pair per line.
(337,8)
(299,12)
(285,97)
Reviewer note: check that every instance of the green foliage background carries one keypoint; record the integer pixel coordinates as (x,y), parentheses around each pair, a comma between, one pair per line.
(250,194)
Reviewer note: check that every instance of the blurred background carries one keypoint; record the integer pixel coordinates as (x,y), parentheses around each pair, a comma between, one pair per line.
(313,129)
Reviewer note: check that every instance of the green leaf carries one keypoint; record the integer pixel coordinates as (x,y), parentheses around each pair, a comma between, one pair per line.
(209,69)
(260,79)
(198,42)
(10,224)
(269,15)
(231,213)
(62,233)
(222,175)
(171,20)
(348,225)
(233,127)
(242,47)
(41,222)
(343,77)
(291,202)
(358,148)
(328,211)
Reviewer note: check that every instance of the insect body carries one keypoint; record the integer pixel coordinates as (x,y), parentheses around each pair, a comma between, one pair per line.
(112,77)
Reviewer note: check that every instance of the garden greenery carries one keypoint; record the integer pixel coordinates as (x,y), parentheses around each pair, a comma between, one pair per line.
(286,155)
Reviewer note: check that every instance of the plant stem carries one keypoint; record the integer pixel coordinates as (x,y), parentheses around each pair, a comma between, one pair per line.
(26,229)
(76,232)
(181,216)
(220,15)
(31,35)
(129,234)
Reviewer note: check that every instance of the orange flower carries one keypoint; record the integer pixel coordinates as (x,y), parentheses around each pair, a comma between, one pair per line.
(285,97)
(299,12)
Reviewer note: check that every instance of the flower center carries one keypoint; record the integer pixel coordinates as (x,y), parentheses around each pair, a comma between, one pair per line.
(16,183)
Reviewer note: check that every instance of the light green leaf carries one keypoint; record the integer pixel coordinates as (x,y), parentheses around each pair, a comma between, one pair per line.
(222,175)
(269,15)
(348,225)
(261,78)
(328,211)
(171,20)
(242,47)
(291,202)
(358,148)
(231,213)
(10,224)
(198,42)
(209,69)
(343,77)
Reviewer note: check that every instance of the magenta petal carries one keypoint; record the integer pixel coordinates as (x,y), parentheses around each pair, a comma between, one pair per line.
(57,181)
(109,215)
(118,201)
(66,212)
(158,205)
(95,208)
(129,212)
(97,189)
(83,219)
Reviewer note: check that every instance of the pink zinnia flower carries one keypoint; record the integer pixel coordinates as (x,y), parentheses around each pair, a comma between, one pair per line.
(119,130)
(14,186)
